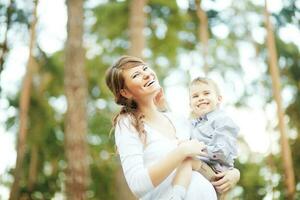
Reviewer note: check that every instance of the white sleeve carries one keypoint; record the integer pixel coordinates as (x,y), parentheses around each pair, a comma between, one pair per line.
(130,149)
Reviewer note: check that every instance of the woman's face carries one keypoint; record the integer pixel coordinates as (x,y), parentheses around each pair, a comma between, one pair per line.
(140,82)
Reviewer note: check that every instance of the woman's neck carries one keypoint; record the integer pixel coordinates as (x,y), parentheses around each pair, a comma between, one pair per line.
(150,111)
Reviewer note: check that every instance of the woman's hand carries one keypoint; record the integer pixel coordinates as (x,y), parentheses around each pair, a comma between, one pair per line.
(226,180)
(160,101)
(192,148)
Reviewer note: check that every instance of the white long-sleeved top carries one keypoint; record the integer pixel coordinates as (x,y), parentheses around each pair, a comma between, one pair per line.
(136,158)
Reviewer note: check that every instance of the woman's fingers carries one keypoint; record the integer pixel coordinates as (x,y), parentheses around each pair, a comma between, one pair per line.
(159,99)
(199,145)
(219,182)
(193,147)
(226,180)
(159,95)
(181,141)
(222,184)
(223,188)
(220,175)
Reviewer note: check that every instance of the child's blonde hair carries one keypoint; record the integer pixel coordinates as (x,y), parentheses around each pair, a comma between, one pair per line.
(207,81)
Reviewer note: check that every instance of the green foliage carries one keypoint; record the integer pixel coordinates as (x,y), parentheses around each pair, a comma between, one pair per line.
(108,25)
(253,188)
(95,70)
(17,15)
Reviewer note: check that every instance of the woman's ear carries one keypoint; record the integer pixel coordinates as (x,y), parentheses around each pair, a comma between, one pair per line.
(125,93)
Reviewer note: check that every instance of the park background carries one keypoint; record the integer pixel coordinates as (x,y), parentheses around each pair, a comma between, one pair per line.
(55,110)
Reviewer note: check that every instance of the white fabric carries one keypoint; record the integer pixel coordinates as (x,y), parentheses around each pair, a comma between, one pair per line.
(179,192)
(136,157)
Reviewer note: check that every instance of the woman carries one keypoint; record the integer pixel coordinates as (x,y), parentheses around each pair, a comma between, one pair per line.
(152,144)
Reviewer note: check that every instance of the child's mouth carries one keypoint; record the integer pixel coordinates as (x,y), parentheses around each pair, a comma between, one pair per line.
(202,104)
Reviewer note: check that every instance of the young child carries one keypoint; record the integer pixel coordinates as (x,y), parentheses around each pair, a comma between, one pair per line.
(212,126)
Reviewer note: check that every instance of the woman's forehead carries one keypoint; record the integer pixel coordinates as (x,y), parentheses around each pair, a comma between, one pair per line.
(133,68)
(131,64)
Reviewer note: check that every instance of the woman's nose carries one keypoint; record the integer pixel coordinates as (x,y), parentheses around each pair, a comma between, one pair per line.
(146,75)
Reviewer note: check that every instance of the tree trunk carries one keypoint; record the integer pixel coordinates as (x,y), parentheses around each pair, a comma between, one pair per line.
(203,34)
(33,167)
(137,22)
(23,113)
(285,148)
(77,174)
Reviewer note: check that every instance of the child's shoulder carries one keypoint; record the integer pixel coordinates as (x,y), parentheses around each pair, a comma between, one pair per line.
(223,119)
(219,114)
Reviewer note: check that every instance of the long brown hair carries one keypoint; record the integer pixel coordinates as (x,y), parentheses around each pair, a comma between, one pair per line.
(115,82)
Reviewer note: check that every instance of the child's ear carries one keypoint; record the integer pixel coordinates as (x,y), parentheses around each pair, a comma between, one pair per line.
(125,93)
(220,98)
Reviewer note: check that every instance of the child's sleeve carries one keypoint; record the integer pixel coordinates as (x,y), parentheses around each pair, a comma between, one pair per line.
(223,146)
(130,149)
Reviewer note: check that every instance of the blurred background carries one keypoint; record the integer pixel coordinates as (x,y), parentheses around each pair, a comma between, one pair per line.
(55,110)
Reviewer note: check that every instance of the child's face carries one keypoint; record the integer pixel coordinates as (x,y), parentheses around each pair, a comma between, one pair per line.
(203,98)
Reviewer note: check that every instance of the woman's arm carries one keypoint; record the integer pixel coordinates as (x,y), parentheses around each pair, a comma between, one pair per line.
(142,179)
(226,180)
(163,168)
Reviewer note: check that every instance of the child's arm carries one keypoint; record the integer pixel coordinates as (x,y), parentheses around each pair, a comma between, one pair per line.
(183,174)
(222,147)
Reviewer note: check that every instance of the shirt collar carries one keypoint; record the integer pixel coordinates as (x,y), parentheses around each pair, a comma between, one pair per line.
(204,118)
(200,119)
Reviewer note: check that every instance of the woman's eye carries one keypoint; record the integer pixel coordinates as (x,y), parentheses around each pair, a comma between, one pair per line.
(195,96)
(206,93)
(145,68)
(135,75)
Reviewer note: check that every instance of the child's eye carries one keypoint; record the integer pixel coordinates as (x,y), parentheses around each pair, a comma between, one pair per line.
(145,68)
(206,93)
(194,96)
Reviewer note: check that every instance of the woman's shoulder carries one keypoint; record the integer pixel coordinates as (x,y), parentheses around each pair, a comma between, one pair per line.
(123,119)
(124,124)
(181,124)
(176,116)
